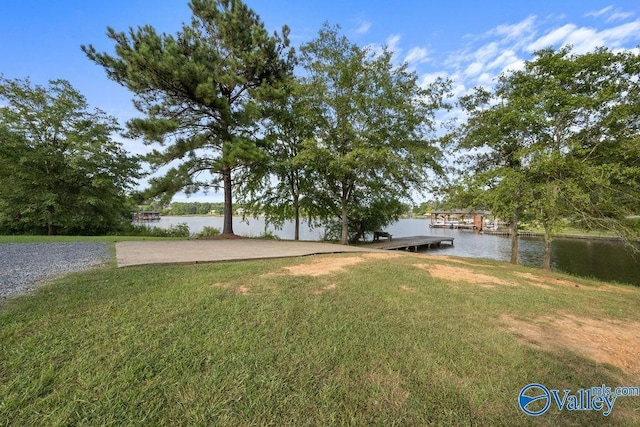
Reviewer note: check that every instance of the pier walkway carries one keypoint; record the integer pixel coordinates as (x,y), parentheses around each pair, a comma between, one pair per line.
(412,243)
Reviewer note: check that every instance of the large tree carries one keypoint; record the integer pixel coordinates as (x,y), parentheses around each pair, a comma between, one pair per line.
(60,169)
(492,141)
(283,188)
(372,143)
(557,138)
(199,91)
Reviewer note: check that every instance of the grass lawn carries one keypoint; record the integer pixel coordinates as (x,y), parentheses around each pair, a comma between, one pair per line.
(98,239)
(325,340)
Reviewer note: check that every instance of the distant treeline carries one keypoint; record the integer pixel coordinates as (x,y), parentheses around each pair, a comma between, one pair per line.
(193,208)
(200,208)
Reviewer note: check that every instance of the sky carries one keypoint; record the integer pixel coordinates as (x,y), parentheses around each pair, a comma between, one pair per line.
(469,41)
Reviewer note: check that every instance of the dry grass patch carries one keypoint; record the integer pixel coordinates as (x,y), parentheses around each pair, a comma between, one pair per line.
(380,255)
(241,290)
(323,266)
(545,281)
(238,290)
(390,391)
(452,259)
(603,341)
(541,280)
(451,273)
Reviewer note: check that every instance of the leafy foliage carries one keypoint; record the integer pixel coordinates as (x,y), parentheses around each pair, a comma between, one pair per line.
(372,140)
(199,91)
(283,188)
(558,140)
(207,231)
(60,170)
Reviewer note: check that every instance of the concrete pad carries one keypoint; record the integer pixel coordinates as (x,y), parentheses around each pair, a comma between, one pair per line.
(196,251)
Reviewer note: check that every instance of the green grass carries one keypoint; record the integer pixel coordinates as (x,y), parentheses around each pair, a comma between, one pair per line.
(99,239)
(379,343)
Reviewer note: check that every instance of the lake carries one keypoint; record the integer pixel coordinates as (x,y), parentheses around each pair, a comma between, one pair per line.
(606,260)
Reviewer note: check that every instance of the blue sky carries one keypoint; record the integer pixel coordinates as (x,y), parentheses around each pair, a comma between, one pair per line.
(468,40)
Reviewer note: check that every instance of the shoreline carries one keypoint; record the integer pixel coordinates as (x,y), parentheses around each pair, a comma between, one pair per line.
(558,235)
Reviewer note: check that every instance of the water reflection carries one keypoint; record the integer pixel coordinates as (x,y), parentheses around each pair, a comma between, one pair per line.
(605,260)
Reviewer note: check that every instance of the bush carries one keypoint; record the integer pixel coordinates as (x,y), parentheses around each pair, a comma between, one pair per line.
(178,230)
(207,232)
(268,235)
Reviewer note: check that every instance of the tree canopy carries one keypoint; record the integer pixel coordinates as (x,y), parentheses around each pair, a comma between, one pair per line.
(372,141)
(558,140)
(199,92)
(60,169)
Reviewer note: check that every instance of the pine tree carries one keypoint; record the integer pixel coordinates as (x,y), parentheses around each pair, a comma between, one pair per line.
(199,91)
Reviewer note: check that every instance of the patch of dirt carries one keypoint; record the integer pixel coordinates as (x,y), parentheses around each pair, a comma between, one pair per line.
(378,255)
(456,260)
(459,273)
(603,341)
(323,266)
(543,282)
(534,280)
(241,290)
(238,290)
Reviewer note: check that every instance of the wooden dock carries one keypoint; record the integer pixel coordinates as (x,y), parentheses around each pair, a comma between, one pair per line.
(412,243)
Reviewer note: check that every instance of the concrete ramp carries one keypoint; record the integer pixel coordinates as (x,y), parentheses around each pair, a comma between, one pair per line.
(200,251)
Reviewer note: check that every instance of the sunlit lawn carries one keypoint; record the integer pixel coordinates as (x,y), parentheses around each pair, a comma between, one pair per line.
(380,341)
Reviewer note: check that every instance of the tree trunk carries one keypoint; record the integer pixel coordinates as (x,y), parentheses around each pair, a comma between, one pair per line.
(546,257)
(344,236)
(513,230)
(296,209)
(228,204)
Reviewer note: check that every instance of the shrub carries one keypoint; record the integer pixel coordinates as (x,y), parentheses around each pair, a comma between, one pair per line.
(207,232)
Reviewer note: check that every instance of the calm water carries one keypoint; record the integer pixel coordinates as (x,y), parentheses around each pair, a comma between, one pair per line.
(605,260)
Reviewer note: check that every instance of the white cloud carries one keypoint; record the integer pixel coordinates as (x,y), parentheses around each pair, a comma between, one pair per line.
(487,52)
(552,38)
(507,61)
(515,31)
(598,13)
(363,28)
(474,69)
(613,15)
(622,33)
(486,79)
(585,39)
(429,78)
(392,43)
(619,16)
(417,55)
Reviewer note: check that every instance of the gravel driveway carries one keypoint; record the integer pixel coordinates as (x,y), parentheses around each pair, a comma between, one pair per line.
(22,265)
